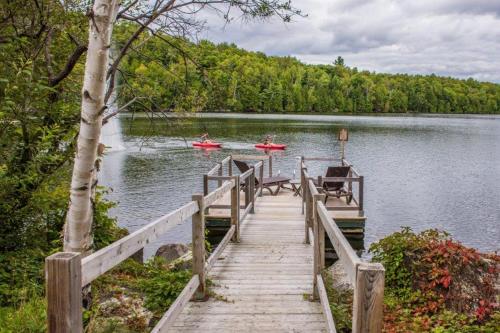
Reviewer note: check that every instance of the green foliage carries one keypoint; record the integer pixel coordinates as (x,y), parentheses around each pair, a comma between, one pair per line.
(105,228)
(39,118)
(160,286)
(28,317)
(209,77)
(21,276)
(340,304)
(153,282)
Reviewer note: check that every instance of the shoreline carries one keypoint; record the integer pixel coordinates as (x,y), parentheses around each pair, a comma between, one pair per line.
(309,116)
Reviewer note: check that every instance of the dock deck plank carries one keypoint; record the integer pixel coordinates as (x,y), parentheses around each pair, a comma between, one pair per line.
(261,283)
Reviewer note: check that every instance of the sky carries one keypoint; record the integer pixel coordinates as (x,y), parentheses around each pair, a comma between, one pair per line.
(459,38)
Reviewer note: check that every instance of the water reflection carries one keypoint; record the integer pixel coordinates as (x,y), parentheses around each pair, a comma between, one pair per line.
(419,172)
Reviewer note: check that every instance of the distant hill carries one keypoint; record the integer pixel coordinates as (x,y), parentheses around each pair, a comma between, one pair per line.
(179,75)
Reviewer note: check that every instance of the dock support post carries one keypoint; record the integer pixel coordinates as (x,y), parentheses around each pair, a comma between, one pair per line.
(360,194)
(235,208)
(261,179)
(198,233)
(270,165)
(252,190)
(230,166)
(319,244)
(368,298)
(63,275)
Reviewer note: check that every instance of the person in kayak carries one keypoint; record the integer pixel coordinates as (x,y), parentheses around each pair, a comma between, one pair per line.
(268,140)
(205,138)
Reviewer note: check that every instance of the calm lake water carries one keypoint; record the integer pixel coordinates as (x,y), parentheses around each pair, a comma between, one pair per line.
(420,172)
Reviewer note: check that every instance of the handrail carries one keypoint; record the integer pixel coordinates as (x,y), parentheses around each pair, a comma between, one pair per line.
(246,174)
(345,252)
(219,192)
(67,272)
(108,257)
(321,159)
(367,279)
(214,169)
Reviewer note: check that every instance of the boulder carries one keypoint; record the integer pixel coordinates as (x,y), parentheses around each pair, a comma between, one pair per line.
(171,252)
(339,276)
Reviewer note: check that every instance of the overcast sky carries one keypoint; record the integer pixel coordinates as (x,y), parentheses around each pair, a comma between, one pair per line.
(459,38)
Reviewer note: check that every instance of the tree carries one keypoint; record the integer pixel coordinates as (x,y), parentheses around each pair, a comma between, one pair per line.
(170,17)
(40,55)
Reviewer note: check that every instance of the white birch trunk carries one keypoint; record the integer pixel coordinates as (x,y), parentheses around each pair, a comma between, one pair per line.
(78,227)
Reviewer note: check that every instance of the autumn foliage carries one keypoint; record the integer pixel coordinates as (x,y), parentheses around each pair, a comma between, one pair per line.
(435,284)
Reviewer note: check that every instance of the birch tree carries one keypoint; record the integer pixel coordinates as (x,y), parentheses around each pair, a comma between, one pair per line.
(172,17)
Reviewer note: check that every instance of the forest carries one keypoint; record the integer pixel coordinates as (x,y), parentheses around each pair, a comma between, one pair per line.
(178,75)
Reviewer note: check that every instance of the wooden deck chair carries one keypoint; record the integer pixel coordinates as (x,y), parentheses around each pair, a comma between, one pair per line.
(337,189)
(266,182)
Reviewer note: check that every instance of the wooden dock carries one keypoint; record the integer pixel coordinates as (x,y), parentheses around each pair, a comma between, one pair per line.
(263,275)
(261,283)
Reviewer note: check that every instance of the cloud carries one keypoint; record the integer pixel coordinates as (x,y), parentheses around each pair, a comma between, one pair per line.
(459,38)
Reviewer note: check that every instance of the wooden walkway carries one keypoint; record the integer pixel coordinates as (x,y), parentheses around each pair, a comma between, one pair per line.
(263,282)
(262,273)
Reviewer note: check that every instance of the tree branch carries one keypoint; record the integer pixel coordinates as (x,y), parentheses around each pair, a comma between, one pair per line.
(70,64)
(108,116)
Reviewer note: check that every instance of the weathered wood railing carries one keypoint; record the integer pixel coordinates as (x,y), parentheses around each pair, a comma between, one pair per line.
(367,279)
(352,177)
(67,273)
(246,179)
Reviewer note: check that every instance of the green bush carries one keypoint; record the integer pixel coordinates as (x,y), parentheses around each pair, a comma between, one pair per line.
(28,317)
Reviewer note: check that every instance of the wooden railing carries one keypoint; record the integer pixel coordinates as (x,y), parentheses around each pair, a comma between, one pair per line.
(246,179)
(67,273)
(366,278)
(352,177)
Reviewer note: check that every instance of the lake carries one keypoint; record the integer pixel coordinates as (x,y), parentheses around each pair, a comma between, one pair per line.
(421,172)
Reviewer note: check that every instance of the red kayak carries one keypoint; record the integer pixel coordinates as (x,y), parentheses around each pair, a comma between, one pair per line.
(270,146)
(207,144)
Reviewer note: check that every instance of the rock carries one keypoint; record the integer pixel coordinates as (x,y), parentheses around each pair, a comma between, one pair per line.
(339,276)
(171,252)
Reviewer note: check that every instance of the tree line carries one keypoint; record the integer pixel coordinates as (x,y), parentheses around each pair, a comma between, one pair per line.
(184,76)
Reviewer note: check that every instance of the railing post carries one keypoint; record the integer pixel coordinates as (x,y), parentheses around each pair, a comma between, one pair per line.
(360,194)
(270,165)
(205,189)
(63,276)
(230,166)
(220,173)
(252,190)
(261,179)
(307,194)
(368,298)
(319,244)
(235,208)
(198,232)
(349,184)
(247,192)
(309,207)
(302,185)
